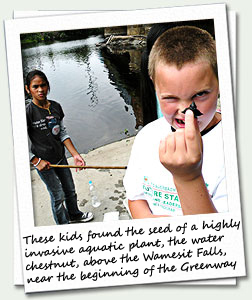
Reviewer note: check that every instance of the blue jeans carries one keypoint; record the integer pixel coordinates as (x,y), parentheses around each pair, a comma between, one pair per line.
(60,185)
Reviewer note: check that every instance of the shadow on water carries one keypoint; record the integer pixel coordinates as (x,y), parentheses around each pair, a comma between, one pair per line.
(124,74)
(98,89)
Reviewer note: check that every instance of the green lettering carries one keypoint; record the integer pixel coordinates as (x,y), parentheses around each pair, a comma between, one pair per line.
(146,188)
(157,194)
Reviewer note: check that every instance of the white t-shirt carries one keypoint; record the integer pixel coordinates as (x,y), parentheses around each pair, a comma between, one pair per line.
(147,179)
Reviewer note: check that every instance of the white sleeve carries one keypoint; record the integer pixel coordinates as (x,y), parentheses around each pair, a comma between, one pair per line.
(219,196)
(133,179)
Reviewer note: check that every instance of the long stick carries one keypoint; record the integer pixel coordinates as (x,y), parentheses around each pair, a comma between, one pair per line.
(89,167)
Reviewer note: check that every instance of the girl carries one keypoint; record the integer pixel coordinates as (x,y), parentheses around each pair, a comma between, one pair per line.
(48,141)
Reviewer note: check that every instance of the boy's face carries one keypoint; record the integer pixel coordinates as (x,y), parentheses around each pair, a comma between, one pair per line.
(176,89)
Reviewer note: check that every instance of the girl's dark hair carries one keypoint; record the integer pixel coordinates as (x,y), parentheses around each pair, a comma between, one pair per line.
(34,73)
(148,97)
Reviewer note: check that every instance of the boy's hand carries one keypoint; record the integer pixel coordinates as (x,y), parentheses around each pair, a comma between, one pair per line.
(181,151)
(78,161)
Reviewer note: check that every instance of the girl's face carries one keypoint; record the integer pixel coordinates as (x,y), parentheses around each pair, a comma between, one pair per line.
(38,89)
(176,89)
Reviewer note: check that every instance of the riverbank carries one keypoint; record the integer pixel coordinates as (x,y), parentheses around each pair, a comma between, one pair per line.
(108,184)
(116,43)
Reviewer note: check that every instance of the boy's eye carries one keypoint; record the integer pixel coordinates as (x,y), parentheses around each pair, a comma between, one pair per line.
(169,99)
(35,86)
(201,94)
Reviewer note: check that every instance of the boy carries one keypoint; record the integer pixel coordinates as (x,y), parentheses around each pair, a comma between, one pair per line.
(165,171)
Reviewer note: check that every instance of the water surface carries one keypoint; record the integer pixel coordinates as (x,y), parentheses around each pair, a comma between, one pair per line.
(97,92)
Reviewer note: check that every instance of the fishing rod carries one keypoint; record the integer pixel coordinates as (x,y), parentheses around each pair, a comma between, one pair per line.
(88,167)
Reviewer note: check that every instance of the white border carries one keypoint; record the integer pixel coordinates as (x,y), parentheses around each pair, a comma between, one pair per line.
(18,279)
(14,28)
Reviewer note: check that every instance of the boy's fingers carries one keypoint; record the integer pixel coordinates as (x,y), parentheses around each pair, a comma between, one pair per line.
(180,141)
(167,145)
(189,120)
(191,131)
(162,148)
(170,143)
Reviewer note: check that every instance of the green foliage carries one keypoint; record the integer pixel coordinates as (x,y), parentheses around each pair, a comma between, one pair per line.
(34,38)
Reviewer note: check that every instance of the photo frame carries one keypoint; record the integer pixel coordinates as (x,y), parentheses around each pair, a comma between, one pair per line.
(232,218)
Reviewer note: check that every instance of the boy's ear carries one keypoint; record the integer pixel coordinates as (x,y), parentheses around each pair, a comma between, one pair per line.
(152,81)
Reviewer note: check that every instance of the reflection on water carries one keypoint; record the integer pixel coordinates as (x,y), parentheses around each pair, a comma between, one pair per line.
(97,90)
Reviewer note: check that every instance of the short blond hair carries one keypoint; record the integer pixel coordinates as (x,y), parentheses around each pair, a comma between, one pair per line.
(181,45)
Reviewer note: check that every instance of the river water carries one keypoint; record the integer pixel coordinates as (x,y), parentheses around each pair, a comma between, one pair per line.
(97,91)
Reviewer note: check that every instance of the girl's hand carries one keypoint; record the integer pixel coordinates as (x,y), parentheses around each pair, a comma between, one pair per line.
(43,165)
(78,161)
(181,151)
